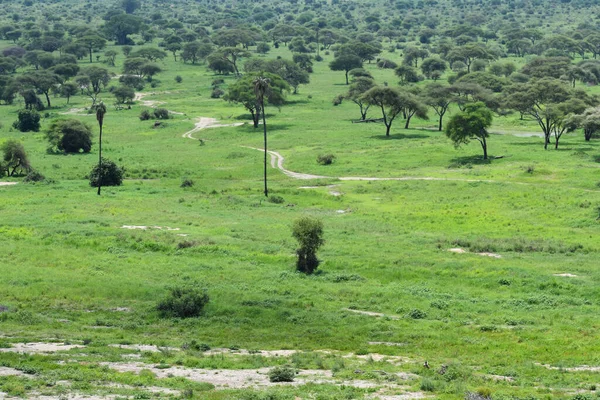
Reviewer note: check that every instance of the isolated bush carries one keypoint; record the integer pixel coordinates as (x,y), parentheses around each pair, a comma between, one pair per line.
(282,373)
(325,159)
(70,136)
(217,82)
(145,115)
(276,199)
(417,314)
(14,158)
(183,302)
(318,58)
(27,120)
(123,94)
(161,113)
(309,234)
(178,79)
(112,175)
(133,81)
(187,183)
(33,176)
(217,93)
(427,385)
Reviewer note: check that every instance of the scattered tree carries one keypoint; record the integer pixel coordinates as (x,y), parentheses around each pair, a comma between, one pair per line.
(470,124)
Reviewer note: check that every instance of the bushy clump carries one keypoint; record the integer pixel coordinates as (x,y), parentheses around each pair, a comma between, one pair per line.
(186,244)
(69,136)
(282,373)
(145,115)
(34,176)
(27,120)
(326,159)
(439,304)
(417,314)
(309,234)
(112,175)
(183,302)
(217,93)
(427,385)
(276,199)
(186,183)
(337,100)
(178,79)
(503,282)
(161,113)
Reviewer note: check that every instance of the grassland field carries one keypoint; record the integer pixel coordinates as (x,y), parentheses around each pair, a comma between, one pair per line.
(70,272)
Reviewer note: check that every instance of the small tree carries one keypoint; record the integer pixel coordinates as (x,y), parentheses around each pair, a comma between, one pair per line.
(309,234)
(14,158)
(470,124)
(346,63)
(27,120)
(112,175)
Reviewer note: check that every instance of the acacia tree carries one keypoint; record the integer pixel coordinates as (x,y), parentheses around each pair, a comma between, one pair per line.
(345,62)
(548,101)
(438,97)
(242,92)
(389,100)
(14,158)
(355,94)
(42,81)
(232,55)
(589,121)
(470,124)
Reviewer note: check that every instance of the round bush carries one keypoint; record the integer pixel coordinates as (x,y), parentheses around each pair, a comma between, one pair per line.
(27,120)
(282,373)
(161,113)
(112,175)
(183,302)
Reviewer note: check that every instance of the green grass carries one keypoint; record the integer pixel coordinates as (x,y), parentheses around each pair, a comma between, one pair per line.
(65,255)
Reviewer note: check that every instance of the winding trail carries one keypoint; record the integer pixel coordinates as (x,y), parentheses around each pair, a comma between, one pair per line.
(205,123)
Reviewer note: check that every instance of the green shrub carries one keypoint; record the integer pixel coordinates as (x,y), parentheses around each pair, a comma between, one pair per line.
(27,120)
(325,159)
(183,302)
(187,183)
(69,136)
(417,314)
(282,373)
(112,175)
(217,93)
(145,115)
(427,385)
(161,113)
(178,79)
(34,176)
(309,234)
(276,199)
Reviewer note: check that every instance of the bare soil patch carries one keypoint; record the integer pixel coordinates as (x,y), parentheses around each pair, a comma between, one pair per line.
(37,348)
(8,183)
(371,313)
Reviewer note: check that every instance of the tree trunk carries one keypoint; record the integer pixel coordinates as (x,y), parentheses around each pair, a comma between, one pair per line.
(440,124)
(346,77)
(90,55)
(262,100)
(484,147)
(546,141)
(47,99)
(387,129)
(100,161)
(587,133)
(407,122)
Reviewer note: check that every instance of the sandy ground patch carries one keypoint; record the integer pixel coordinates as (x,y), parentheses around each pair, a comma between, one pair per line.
(77,111)
(567,275)
(458,250)
(243,352)
(8,183)
(36,348)
(387,344)
(144,347)
(205,123)
(371,313)
(581,368)
(145,227)
(6,371)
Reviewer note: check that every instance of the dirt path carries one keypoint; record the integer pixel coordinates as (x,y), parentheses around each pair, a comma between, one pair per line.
(205,123)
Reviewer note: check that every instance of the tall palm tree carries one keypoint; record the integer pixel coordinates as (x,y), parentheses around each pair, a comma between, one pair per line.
(100,111)
(262,89)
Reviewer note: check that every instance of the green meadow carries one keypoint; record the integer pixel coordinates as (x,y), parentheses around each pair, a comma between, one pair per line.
(499,316)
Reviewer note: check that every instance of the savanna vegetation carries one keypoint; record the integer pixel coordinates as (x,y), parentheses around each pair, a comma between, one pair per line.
(424,224)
